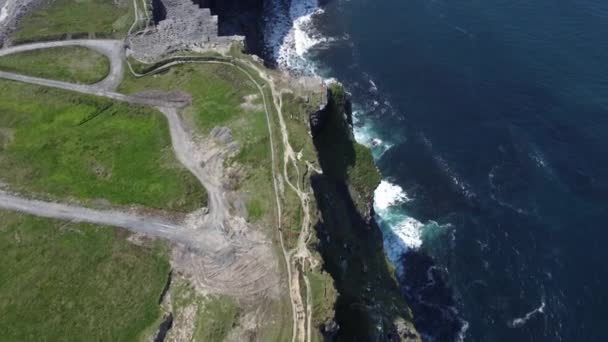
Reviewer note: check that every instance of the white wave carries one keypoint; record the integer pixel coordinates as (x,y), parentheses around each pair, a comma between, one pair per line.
(521,321)
(400,233)
(365,135)
(290,34)
(388,194)
(373,87)
(463,331)
(4,11)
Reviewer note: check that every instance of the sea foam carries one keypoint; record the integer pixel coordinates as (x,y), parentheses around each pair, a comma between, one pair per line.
(388,194)
(400,231)
(290,34)
(4,11)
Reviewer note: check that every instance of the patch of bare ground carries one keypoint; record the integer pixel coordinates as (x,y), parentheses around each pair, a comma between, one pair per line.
(6,136)
(172,96)
(249,103)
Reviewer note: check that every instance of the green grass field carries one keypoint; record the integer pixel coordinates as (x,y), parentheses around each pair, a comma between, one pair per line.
(61,281)
(71,64)
(79,18)
(59,144)
(218,92)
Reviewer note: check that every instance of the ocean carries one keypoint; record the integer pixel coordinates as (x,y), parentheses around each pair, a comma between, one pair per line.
(489,123)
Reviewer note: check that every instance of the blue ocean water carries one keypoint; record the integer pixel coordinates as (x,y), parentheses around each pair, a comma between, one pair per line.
(489,123)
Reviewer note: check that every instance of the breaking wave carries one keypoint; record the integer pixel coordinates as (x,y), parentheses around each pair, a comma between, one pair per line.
(290,34)
(521,321)
(401,232)
(4,12)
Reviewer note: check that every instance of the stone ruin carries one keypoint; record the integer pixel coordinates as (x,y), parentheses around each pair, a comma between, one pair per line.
(178,25)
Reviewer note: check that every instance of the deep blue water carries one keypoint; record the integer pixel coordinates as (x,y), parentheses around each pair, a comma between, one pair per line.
(495,117)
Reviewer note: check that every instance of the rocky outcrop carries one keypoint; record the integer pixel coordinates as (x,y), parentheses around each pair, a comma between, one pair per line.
(10,12)
(370,305)
(182,25)
(164,328)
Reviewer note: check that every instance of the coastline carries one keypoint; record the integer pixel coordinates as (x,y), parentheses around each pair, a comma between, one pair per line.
(426,288)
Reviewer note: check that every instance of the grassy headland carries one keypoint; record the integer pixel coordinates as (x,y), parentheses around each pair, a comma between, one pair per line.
(61,144)
(61,281)
(71,64)
(222,96)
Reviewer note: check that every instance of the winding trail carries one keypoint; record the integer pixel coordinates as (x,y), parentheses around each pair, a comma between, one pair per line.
(112,49)
(216,233)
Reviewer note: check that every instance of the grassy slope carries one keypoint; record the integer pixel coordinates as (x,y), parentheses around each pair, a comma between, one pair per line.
(218,92)
(64,281)
(72,64)
(55,18)
(216,315)
(84,147)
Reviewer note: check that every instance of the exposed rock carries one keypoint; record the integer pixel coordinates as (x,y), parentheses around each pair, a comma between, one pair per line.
(10,12)
(182,26)
(221,135)
(164,328)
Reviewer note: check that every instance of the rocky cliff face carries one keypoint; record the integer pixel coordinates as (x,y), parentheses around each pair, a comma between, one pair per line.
(241,18)
(370,306)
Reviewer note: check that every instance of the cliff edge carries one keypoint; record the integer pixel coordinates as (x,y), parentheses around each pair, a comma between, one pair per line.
(369,306)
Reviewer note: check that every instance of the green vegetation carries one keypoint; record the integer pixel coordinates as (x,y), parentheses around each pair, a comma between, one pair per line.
(323,297)
(56,19)
(216,317)
(61,281)
(254,209)
(71,64)
(211,317)
(68,145)
(296,111)
(218,91)
(218,97)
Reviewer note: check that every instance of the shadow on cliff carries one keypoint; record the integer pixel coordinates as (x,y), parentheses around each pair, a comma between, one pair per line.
(370,306)
(332,136)
(239,17)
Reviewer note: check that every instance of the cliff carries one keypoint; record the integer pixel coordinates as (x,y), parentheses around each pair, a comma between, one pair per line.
(370,306)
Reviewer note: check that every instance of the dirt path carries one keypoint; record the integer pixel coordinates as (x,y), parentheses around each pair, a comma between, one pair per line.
(112,49)
(300,256)
(140,224)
